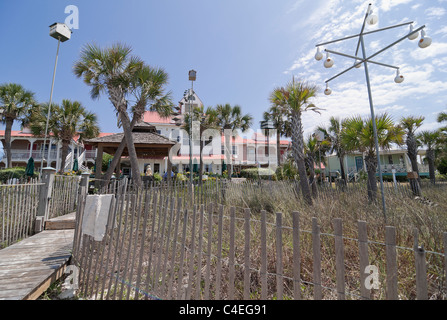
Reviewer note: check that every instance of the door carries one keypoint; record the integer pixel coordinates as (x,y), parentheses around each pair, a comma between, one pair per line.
(358,163)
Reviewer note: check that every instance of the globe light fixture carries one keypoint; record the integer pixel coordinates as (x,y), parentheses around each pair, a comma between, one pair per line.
(328,90)
(399,78)
(318,55)
(372,18)
(414,35)
(329,62)
(424,42)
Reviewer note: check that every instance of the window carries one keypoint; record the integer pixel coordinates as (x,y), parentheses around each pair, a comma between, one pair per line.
(234,149)
(390,159)
(159,131)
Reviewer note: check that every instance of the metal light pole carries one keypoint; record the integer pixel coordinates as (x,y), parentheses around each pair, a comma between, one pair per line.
(371,19)
(192,78)
(62,33)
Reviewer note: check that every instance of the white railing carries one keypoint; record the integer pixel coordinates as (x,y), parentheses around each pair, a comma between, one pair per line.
(24,155)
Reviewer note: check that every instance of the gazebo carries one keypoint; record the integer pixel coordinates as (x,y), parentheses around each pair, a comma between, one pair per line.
(148,144)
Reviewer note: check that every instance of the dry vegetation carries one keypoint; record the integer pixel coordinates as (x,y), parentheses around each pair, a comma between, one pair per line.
(174,272)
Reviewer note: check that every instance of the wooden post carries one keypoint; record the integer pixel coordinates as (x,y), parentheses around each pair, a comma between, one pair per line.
(296,256)
(391,263)
(421,269)
(364,261)
(247,255)
(98,165)
(44,198)
(264,283)
(316,248)
(279,266)
(339,258)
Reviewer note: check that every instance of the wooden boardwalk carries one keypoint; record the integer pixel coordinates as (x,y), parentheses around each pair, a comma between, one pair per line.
(28,267)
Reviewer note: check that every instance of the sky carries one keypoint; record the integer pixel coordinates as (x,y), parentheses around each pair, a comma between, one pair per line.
(241,50)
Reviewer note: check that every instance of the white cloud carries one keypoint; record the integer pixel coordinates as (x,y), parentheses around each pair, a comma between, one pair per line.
(435,12)
(386,5)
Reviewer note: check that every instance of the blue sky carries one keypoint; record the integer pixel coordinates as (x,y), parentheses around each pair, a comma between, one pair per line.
(241,51)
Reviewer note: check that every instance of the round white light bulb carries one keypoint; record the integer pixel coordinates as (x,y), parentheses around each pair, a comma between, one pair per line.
(425,41)
(328,90)
(399,78)
(318,55)
(372,18)
(357,64)
(329,62)
(413,36)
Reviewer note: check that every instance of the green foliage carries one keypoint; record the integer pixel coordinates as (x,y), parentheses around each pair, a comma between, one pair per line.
(11,173)
(442,166)
(258,173)
(157,177)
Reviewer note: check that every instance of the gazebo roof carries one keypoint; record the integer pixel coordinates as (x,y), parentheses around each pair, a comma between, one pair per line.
(143,133)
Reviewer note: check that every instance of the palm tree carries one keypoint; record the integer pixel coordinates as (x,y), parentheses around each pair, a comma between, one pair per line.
(147,88)
(333,136)
(108,71)
(15,102)
(358,135)
(442,117)
(410,124)
(66,121)
(207,121)
(311,151)
(279,116)
(231,119)
(295,97)
(433,140)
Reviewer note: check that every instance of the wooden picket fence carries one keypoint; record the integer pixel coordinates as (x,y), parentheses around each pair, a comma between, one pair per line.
(18,205)
(159,246)
(64,195)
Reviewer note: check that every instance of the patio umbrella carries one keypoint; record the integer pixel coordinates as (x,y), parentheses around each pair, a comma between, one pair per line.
(75,165)
(195,166)
(30,167)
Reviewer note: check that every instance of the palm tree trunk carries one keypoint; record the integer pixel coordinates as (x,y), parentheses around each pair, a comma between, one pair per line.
(64,155)
(371,167)
(7,145)
(131,148)
(278,148)
(201,161)
(117,155)
(312,181)
(298,154)
(342,170)
(412,154)
(431,165)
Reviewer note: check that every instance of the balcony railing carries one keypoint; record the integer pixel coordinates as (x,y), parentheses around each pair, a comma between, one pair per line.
(24,155)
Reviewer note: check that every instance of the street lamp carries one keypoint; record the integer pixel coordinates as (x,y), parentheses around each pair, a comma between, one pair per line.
(192,78)
(372,19)
(62,33)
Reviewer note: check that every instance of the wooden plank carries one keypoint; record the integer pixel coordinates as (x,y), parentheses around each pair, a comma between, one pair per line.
(445,260)
(391,263)
(279,265)
(296,256)
(263,271)
(247,255)
(364,259)
(339,258)
(316,250)
(219,253)
(421,268)
(34,271)
(231,255)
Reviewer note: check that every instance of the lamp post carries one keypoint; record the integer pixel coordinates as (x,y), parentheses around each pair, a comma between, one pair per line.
(192,78)
(371,19)
(62,33)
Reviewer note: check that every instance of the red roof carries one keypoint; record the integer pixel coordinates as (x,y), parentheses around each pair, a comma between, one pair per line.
(153,118)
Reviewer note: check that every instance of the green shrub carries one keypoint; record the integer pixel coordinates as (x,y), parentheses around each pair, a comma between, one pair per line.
(157,177)
(11,173)
(257,173)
